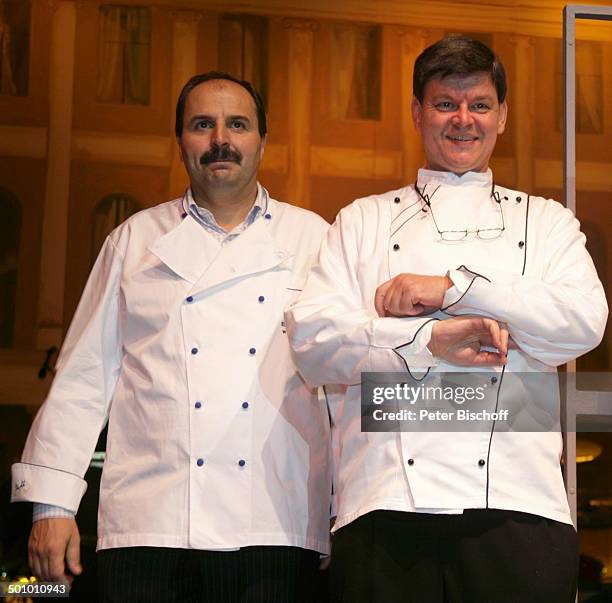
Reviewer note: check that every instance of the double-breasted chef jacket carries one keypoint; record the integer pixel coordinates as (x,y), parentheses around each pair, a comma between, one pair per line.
(536,276)
(214,440)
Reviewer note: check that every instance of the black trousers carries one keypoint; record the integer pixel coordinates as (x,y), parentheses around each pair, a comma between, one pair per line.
(257,574)
(481,556)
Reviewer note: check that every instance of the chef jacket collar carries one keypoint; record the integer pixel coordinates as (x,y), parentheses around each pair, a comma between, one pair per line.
(432,178)
(189,250)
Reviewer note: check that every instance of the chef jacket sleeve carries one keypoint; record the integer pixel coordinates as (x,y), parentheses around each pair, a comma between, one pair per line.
(64,433)
(554,318)
(334,330)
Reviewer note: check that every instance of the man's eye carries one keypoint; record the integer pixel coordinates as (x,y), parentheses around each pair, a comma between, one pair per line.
(203,125)
(237,125)
(445,106)
(480,107)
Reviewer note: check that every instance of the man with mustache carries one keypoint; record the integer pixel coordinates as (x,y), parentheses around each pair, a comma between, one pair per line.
(451,273)
(216,483)
(220,153)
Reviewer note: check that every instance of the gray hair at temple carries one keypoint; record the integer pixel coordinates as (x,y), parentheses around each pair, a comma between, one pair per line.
(457,55)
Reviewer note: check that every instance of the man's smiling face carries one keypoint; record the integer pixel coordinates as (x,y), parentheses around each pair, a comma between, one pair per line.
(459,120)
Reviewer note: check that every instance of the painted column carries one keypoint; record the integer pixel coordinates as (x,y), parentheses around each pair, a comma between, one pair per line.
(57,185)
(522,100)
(184,65)
(301,43)
(413,42)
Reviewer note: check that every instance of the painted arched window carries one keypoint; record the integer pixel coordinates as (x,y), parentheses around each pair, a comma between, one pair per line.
(108,214)
(10,229)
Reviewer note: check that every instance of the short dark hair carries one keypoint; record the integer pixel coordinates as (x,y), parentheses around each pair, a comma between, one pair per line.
(196,80)
(457,55)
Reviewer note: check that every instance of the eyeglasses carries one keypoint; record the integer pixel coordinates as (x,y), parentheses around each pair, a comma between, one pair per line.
(459,235)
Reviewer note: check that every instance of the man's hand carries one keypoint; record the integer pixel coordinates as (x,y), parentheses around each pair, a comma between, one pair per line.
(459,341)
(411,295)
(53,543)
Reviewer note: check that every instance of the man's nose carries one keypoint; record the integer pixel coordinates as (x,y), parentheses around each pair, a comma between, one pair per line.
(463,117)
(219,134)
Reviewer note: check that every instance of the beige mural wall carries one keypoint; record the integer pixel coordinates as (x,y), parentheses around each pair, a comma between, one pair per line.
(337,80)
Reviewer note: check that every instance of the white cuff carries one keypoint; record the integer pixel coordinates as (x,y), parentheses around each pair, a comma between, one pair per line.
(461,282)
(416,354)
(464,281)
(34,483)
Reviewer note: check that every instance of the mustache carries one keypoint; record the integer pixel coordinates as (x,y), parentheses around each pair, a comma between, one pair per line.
(220,152)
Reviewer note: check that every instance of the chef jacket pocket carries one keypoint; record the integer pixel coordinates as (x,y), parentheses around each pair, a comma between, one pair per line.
(293,288)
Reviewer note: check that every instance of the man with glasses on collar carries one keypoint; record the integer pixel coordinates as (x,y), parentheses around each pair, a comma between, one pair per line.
(216,484)
(451,273)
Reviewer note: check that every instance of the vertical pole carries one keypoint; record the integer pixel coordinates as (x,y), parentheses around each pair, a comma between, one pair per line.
(569,194)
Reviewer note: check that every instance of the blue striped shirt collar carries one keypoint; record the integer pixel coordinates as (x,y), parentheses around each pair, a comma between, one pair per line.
(205,217)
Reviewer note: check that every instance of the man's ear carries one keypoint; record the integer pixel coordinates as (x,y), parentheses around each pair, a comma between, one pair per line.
(263,146)
(180,150)
(417,112)
(503,116)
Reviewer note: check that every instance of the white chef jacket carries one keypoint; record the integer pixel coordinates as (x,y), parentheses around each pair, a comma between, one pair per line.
(214,440)
(537,277)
